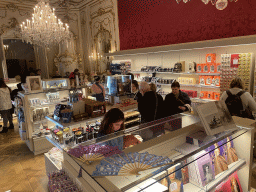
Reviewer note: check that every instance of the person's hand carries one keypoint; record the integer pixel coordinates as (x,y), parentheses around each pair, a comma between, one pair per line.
(182,108)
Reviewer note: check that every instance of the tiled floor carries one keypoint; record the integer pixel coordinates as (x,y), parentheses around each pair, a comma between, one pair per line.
(22,171)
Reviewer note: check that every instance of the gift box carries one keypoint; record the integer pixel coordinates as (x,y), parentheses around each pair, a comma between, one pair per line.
(208,80)
(203,94)
(217,68)
(205,68)
(192,81)
(211,58)
(210,94)
(212,67)
(66,116)
(202,80)
(216,96)
(217,81)
(199,68)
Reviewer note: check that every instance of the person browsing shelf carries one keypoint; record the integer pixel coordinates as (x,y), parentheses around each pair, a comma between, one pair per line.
(239,102)
(177,101)
(112,122)
(98,89)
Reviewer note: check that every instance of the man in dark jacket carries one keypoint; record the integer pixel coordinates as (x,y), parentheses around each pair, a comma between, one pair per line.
(176,101)
(150,105)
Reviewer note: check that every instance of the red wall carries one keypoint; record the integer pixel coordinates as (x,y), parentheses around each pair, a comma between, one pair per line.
(147,23)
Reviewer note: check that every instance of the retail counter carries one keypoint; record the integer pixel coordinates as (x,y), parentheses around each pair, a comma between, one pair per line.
(167,144)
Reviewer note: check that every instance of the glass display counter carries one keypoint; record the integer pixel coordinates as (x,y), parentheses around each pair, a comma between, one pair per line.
(118,85)
(58,83)
(160,156)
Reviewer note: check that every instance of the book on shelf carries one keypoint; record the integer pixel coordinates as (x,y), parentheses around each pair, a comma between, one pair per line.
(231,155)
(215,117)
(235,183)
(173,179)
(199,165)
(217,153)
(231,184)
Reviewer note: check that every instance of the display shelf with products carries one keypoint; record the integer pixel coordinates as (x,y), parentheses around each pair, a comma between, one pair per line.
(32,123)
(182,73)
(58,83)
(118,173)
(214,67)
(88,129)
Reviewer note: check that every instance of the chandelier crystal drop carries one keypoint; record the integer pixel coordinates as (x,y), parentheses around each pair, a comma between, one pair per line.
(219,4)
(44,28)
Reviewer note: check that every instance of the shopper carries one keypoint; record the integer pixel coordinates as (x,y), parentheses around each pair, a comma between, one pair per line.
(112,122)
(98,89)
(240,103)
(135,90)
(150,105)
(177,101)
(5,106)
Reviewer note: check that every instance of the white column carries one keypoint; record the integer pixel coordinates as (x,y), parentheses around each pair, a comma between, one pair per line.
(3,71)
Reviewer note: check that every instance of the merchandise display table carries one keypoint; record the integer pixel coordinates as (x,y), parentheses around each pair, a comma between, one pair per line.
(164,145)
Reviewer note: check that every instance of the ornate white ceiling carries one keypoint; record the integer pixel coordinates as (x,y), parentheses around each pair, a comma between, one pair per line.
(55,3)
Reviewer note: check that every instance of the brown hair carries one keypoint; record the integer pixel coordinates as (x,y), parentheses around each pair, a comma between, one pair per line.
(135,83)
(237,82)
(175,84)
(112,116)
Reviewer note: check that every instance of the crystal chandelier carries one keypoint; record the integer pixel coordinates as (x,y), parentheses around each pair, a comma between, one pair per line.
(219,4)
(44,28)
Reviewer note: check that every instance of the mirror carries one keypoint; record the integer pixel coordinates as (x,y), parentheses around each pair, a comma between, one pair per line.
(20,58)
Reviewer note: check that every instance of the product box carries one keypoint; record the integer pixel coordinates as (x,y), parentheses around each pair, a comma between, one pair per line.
(212,67)
(192,81)
(203,94)
(202,80)
(187,80)
(205,68)
(211,58)
(183,80)
(216,96)
(216,81)
(199,68)
(208,80)
(217,68)
(210,95)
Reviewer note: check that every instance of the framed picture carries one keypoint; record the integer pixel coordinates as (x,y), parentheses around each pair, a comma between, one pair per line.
(34,84)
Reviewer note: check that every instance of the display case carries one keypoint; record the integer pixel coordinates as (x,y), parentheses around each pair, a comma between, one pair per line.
(118,85)
(159,156)
(57,83)
(33,107)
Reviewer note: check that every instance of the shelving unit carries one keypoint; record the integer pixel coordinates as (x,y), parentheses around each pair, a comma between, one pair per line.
(37,144)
